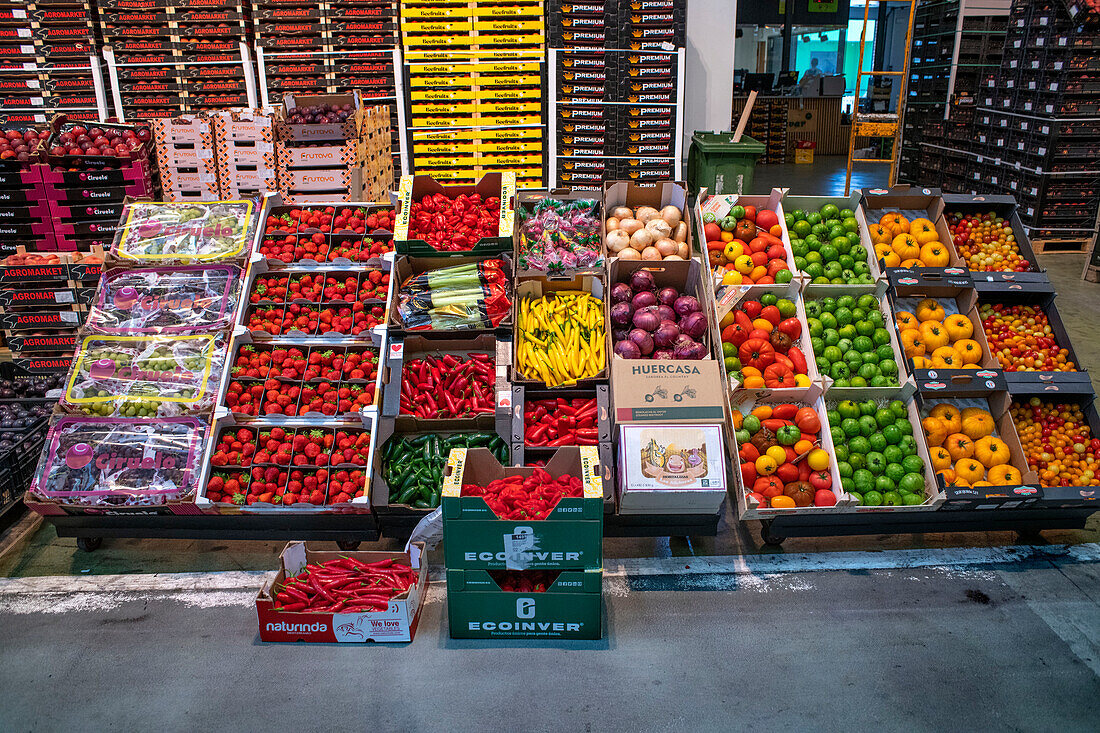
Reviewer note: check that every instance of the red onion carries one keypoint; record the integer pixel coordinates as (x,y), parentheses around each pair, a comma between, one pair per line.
(621,314)
(627,349)
(644,299)
(666,334)
(618,334)
(643,341)
(662,354)
(689,351)
(683,338)
(686,304)
(694,325)
(621,293)
(646,319)
(668,296)
(665,313)
(642,280)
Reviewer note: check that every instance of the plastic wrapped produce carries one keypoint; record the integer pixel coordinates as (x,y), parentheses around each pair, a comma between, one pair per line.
(184,233)
(91,461)
(145,376)
(556,236)
(470,296)
(165,300)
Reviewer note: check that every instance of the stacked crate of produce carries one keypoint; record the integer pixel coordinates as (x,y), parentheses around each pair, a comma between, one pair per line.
(956,54)
(48,62)
(1042,122)
(335,47)
(24,214)
(89,170)
(523,546)
(186,157)
(244,140)
(331,148)
(296,428)
(475,89)
(138,401)
(41,306)
(446,384)
(172,56)
(617,73)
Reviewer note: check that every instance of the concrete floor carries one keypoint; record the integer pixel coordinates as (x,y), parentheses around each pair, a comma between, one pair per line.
(917,631)
(823,177)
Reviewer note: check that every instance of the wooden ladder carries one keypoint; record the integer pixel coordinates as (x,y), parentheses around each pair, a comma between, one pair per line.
(879,125)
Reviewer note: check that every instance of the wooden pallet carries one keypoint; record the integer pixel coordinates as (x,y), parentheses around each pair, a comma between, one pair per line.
(1061,246)
(1091,273)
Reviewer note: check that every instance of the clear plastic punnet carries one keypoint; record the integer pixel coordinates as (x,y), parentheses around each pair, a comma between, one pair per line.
(145,376)
(165,300)
(92,461)
(169,233)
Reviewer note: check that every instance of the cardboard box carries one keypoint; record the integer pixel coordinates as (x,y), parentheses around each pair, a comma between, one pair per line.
(536,288)
(570,608)
(414,188)
(934,495)
(570,537)
(399,350)
(633,195)
(814,204)
(348,129)
(912,204)
(397,623)
(380,488)
(747,506)
(667,391)
(954,294)
(522,395)
(1040,295)
(905,387)
(1004,206)
(1079,393)
(988,497)
(671,469)
(525,205)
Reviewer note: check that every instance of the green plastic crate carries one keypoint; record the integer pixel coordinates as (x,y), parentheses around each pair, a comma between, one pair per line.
(720,165)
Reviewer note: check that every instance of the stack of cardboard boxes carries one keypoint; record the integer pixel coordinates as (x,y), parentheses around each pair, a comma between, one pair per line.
(528,579)
(323,162)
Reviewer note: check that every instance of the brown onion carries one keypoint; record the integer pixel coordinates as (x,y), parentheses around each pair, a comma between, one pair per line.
(641,239)
(630,225)
(672,215)
(630,254)
(659,227)
(680,232)
(622,212)
(617,240)
(612,223)
(651,253)
(666,246)
(683,250)
(646,213)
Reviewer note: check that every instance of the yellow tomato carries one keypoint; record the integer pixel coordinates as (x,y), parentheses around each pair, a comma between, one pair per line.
(777,453)
(818,459)
(734,250)
(732,277)
(765,466)
(743,264)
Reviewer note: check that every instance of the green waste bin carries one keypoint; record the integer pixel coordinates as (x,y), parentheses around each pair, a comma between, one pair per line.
(721,165)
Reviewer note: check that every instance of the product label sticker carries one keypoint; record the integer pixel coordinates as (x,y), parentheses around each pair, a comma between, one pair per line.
(517,548)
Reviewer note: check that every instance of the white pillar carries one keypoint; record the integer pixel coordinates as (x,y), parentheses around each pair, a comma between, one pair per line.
(711,25)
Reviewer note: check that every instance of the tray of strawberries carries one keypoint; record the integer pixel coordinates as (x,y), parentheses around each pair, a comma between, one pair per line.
(353,233)
(304,468)
(334,303)
(287,380)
